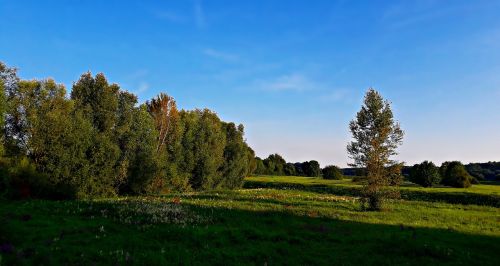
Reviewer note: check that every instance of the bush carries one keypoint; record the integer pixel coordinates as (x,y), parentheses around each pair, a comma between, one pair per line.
(359,179)
(454,174)
(425,174)
(4,179)
(332,172)
(20,180)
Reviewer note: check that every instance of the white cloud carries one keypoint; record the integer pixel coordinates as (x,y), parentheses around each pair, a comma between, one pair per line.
(220,55)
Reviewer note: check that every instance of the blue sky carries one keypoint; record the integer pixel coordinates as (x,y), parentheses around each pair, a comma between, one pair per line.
(293,72)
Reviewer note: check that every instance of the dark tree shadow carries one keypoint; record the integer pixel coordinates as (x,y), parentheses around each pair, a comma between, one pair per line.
(228,237)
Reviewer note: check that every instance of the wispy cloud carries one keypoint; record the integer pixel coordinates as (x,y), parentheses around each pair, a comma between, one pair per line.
(412,13)
(291,82)
(143,86)
(335,95)
(199,14)
(220,55)
(138,74)
(196,17)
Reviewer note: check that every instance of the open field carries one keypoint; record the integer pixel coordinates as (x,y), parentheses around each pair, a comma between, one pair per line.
(477,194)
(490,188)
(248,226)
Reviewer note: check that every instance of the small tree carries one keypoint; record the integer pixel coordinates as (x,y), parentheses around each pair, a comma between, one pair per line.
(425,174)
(332,172)
(275,164)
(453,174)
(311,168)
(289,169)
(376,136)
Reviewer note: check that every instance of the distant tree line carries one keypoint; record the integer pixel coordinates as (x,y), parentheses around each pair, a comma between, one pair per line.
(275,164)
(484,171)
(489,171)
(453,174)
(99,141)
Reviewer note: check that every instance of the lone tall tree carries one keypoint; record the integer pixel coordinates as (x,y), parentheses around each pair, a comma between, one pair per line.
(376,136)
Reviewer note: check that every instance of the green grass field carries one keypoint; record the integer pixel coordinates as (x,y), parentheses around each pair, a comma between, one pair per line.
(254,226)
(490,189)
(488,195)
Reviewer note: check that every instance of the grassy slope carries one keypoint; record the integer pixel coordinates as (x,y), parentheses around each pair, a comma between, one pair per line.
(248,226)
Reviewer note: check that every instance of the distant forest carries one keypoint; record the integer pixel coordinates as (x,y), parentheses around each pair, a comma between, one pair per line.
(481,171)
(275,164)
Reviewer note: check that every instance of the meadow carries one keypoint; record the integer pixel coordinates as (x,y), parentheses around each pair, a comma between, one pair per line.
(272,220)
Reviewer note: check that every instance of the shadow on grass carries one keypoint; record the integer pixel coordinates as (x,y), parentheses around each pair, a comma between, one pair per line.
(228,236)
(437,196)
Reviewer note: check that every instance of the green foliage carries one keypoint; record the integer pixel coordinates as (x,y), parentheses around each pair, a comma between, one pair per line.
(332,172)
(141,160)
(311,168)
(236,162)
(484,171)
(203,144)
(274,164)
(425,174)
(290,169)
(99,99)
(100,143)
(252,162)
(168,146)
(19,179)
(99,103)
(453,174)
(376,136)
(260,167)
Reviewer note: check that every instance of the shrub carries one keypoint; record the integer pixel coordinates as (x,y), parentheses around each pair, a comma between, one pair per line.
(359,179)
(4,179)
(332,172)
(454,174)
(19,179)
(425,174)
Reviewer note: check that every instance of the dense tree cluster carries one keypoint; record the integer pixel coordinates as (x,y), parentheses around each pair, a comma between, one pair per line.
(484,171)
(101,142)
(274,164)
(452,174)
(425,174)
(332,172)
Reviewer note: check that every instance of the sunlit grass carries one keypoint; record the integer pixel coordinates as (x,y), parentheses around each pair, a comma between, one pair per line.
(247,226)
(477,189)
